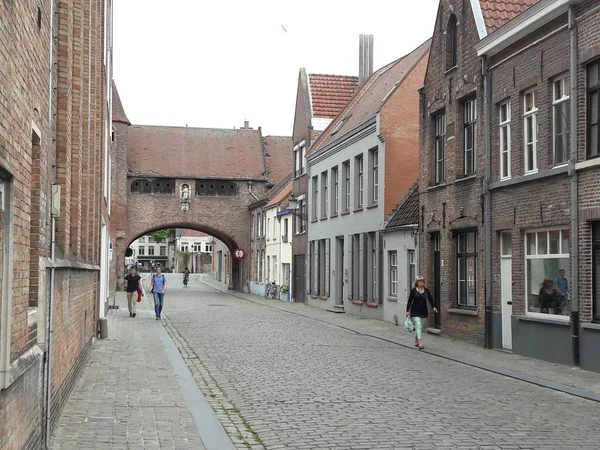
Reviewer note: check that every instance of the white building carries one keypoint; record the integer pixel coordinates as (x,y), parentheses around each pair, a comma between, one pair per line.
(146,251)
(278,248)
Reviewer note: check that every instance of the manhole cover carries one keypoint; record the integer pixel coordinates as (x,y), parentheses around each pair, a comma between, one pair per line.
(100,419)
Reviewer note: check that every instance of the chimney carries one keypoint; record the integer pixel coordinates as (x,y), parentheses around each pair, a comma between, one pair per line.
(365,58)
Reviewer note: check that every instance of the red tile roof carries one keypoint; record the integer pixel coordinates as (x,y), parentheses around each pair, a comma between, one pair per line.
(329,94)
(195,152)
(118,111)
(371,97)
(497,12)
(407,212)
(281,196)
(193,233)
(278,155)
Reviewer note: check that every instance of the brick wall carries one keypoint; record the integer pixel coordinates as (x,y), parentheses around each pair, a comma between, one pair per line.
(65,151)
(445,89)
(399,127)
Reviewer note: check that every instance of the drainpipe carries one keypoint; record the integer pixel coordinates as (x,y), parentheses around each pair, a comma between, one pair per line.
(574,204)
(487,203)
(250,190)
(49,331)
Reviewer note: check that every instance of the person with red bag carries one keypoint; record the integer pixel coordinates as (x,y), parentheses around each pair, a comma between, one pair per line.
(132,286)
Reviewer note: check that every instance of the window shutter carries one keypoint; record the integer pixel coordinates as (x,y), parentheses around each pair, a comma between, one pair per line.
(315,288)
(349,266)
(361,266)
(308,263)
(327,266)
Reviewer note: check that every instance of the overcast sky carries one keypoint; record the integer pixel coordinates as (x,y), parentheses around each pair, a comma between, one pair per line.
(217,63)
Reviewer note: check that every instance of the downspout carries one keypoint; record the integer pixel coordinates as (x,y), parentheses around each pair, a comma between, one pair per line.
(489,341)
(50,305)
(250,190)
(574,204)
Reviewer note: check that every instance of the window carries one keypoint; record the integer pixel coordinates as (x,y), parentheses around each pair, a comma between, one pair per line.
(374,186)
(393,273)
(303,159)
(412,267)
(336,191)
(530,131)
(505,141)
(315,198)
(297,171)
(164,186)
(440,144)
(163,250)
(269,229)
(268,269)
(324,194)
(373,263)
(360,180)
(467,269)
(274,229)
(208,248)
(263,222)
(141,251)
(593,114)
(547,266)
(469,119)
(215,188)
(284,236)
(151,250)
(301,216)
(561,112)
(346,192)
(451,43)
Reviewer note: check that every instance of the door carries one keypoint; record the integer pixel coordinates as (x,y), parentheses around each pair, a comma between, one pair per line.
(299,269)
(286,278)
(437,279)
(339,271)
(506,288)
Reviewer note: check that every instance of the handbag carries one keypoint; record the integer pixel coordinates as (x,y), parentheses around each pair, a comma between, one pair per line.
(140,294)
(408,323)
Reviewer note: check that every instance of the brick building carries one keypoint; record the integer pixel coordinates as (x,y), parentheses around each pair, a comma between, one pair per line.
(53,202)
(543,69)
(319,99)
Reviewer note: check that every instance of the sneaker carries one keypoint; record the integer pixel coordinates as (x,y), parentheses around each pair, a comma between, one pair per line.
(157,317)
(133,315)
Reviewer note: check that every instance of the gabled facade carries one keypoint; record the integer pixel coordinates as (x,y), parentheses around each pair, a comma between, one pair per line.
(319,99)
(452,165)
(354,170)
(543,72)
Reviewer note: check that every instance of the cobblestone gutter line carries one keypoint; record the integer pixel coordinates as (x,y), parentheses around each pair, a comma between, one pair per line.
(238,428)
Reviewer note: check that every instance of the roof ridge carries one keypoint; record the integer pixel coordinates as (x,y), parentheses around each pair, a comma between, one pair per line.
(407,196)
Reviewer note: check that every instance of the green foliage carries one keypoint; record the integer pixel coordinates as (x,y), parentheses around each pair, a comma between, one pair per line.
(185,258)
(163,235)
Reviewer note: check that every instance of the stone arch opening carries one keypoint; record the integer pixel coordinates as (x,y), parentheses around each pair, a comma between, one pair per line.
(235,267)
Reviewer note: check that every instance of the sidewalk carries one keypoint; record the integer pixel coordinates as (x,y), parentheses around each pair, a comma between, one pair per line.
(136,392)
(558,377)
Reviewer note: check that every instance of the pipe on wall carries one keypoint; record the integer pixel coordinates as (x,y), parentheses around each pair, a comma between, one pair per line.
(574,192)
(487,202)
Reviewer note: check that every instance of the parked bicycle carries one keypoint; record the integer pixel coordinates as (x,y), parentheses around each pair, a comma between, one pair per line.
(272,291)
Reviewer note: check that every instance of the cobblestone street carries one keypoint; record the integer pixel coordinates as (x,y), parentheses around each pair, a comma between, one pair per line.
(277,379)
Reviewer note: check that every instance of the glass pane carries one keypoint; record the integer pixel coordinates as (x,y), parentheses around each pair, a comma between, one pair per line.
(462,281)
(531,244)
(593,75)
(542,243)
(503,112)
(471,281)
(504,165)
(557,89)
(596,283)
(462,243)
(565,249)
(506,243)
(547,287)
(554,241)
(471,244)
(593,150)
(593,108)
(529,101)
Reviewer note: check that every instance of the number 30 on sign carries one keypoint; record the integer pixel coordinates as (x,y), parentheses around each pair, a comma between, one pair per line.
(239,253)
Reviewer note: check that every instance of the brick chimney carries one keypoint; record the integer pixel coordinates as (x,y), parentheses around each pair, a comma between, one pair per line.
(365,58)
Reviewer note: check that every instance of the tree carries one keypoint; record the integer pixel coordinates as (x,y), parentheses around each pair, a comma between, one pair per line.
(162,235)
(185,258)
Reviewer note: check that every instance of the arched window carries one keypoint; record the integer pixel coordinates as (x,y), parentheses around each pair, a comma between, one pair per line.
(451,43)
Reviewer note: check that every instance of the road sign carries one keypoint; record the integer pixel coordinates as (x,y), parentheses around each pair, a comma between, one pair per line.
(239,253)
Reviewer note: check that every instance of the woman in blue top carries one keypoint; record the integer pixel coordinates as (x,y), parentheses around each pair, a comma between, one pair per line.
(158,288)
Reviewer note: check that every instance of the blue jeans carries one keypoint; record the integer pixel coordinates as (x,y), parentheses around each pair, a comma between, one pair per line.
(158,303)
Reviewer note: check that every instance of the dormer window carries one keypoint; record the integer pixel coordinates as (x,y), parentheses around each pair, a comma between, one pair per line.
(451,43)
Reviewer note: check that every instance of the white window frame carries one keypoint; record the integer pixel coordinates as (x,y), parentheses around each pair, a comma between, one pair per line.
(360,176)
(469,121)
(530,114)
(563,83)
(505,143)
(324,194)
(549,255)
(315,198)
(141,251)
(348,186)
(411,265)
(393,273)
(375,176)
(303,159)
(335,181)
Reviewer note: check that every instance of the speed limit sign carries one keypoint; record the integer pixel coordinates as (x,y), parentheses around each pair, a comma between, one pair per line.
(239,253)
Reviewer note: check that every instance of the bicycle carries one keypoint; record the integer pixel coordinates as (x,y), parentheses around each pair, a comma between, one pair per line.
(271,291)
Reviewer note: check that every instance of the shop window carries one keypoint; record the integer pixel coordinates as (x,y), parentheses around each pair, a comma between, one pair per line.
(547,272)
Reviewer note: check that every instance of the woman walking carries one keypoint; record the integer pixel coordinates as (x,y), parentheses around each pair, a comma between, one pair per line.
(416,307)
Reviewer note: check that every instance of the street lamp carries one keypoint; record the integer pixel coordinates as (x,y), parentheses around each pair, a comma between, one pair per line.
(294,206)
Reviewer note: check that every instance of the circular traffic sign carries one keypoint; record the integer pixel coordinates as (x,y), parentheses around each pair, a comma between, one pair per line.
(239,253)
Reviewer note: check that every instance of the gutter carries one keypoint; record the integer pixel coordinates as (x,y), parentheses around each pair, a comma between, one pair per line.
(487,98)
(574,192)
